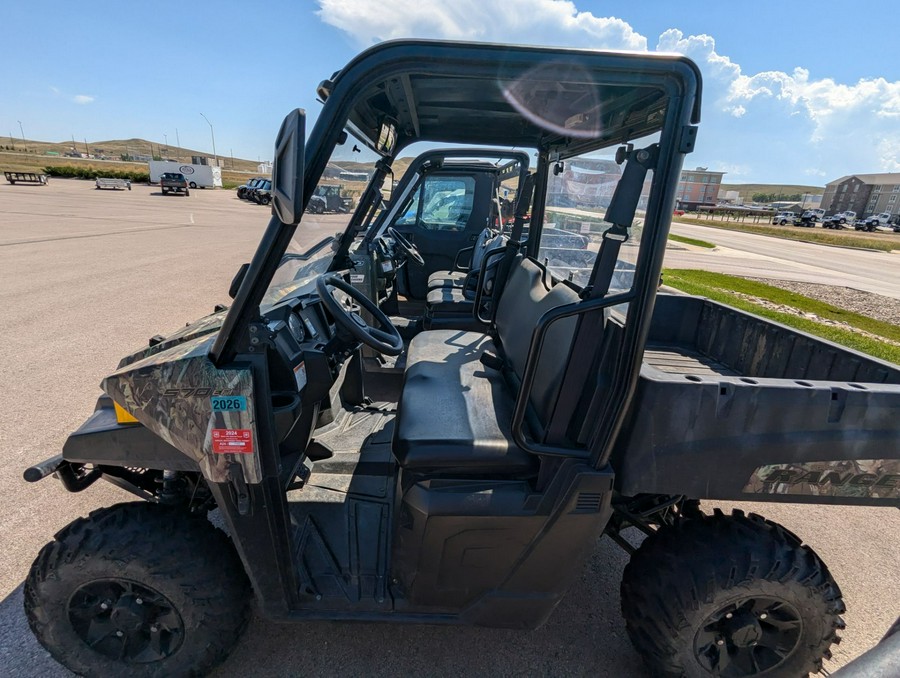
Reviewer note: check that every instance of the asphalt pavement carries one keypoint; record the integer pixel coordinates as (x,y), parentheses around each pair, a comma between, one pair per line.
(760,256)
(87,276)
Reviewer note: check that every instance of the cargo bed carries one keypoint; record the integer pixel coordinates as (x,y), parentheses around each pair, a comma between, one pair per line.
(733,406)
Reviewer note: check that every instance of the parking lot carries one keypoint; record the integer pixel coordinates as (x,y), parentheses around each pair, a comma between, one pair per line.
(89,275)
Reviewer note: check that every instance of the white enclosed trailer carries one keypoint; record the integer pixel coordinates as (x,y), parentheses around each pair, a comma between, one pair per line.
(198,176)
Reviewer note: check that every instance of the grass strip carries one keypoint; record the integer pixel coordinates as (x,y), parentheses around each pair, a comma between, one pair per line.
(721,287)
(813,235)
(691,241)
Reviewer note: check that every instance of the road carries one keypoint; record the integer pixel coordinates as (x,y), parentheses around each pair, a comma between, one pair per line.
(765,257)
(87,276)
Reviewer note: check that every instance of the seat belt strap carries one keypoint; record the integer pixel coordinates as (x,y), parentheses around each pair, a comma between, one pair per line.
(590,326)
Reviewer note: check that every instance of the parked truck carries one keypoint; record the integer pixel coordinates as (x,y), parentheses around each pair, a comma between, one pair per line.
(198,176)
(873,221)
(840,220)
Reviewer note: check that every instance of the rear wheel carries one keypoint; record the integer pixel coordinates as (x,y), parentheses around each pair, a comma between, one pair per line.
(138,589)
(730,596)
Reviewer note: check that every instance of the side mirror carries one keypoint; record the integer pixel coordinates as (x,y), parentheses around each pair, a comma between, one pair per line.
(288,168)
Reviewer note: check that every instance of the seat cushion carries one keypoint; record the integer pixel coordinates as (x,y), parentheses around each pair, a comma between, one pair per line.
(446,279)
(449,301)
(454,413)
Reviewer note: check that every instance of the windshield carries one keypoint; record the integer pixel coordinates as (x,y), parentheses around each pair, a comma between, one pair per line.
(328,213)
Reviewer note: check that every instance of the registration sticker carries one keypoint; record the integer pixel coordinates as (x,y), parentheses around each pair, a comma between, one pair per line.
(228,403)
(300,375)
(232,441)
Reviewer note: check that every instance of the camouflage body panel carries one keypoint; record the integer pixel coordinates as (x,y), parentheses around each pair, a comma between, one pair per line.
(170,392)
(199,328)
(868,478)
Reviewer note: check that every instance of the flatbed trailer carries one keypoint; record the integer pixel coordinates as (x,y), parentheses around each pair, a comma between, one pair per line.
(26,178)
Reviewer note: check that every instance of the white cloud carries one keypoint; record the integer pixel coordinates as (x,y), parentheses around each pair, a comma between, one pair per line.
(55,90)
(773,125)
(527,21)
(82,99)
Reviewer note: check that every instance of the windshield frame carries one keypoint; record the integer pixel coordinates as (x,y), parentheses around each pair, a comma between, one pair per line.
(677,76)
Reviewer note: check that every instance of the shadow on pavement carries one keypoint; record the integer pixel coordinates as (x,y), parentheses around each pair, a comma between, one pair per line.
(585,635)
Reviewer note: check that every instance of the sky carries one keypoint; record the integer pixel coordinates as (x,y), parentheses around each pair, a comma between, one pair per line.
(794,92)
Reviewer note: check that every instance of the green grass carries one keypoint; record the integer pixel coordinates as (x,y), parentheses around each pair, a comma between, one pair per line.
(886,242)
(691,241)
(720,287)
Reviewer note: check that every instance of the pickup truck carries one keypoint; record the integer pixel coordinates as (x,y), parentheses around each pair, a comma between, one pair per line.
(783,218)
(839,220)
(809,218)
(173,182)
(873,221)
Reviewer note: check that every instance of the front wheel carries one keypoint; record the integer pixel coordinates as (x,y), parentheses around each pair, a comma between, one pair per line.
(138,589)
(730,596)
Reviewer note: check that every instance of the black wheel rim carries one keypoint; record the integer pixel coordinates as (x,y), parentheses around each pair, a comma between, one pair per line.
(126,621)
(748,637)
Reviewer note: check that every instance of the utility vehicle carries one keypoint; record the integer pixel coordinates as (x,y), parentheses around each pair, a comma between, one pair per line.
(329,199)
(464,475)
(244,188)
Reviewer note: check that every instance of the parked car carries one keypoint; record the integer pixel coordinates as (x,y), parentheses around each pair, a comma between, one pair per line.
(253,183)
(873,221)
(173,182)
(783,218)
(840,220)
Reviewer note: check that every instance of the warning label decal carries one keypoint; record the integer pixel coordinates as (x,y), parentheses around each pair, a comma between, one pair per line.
(232,441)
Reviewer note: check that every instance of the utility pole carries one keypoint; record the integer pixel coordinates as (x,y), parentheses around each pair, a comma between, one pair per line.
(23,135)
(213,135)
(177,140)
(166,137)
(231,150)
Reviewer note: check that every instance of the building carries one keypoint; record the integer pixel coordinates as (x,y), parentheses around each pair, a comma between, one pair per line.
(698,187)
(864,194)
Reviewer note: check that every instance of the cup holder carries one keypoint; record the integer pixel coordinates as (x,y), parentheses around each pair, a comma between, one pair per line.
(281,401)
(285,410)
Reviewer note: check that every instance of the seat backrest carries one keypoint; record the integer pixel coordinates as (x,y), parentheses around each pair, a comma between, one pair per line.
(524,300)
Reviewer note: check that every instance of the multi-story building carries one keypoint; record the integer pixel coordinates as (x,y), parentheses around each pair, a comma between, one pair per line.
(698,187)
(864,194)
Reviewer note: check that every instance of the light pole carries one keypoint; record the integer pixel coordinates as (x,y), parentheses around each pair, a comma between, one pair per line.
(166,137)
(213,135)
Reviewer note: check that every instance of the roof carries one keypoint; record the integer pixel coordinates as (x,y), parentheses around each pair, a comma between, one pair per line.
(882,179)
(562,100)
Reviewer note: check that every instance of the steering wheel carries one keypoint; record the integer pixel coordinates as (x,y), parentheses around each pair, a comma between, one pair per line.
(386,340)
(411,250)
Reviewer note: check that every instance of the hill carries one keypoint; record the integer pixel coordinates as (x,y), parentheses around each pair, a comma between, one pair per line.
(114,149)
(747,191)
